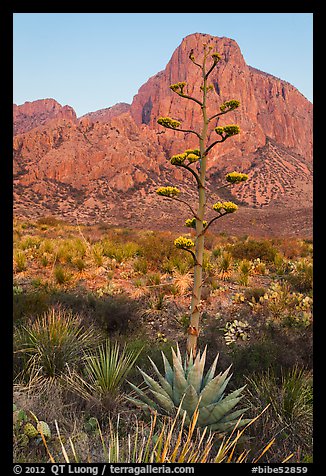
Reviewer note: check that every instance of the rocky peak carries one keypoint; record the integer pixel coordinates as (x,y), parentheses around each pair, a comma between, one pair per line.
(108,163)
(269,106)
(38,113)
(105,115)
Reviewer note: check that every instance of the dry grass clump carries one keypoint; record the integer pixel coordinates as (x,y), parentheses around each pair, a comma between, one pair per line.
(290,412)
(160,441)
(182,281)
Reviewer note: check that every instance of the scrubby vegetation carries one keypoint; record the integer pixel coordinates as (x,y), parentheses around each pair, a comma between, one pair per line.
(91,303)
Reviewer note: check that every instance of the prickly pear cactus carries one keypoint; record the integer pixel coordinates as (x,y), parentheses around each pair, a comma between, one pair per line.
(43,428)
(30,430)
(22,440)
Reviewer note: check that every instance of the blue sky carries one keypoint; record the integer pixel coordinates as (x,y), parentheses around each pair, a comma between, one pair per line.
(94,60)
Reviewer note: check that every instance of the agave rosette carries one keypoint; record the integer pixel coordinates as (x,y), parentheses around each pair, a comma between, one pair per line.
(186,389)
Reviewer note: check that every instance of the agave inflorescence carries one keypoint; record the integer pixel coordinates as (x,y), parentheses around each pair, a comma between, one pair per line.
(185,388)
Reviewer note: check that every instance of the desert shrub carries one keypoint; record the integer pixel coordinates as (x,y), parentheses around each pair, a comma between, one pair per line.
(111,313)
(140,265)
(289,395)
(114,314)
(254,294)
(216,252)
(54,345)
(119,251)
(97,253)
(49,221)
(20,261)
(225,265)
(69,249)
(286,307)
(294,248)
(30,242)
(256,357)
(80,264)
(244,270)
(253,249)
(47,246)
(61,275)
(301,276)
(157,248)
(281,266)
(182,281)
(153,279)
(181,262)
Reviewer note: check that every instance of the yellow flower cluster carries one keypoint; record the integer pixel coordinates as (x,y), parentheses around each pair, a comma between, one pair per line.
(236,177)
(183,243)
(228,207)
(231,130)
(192,155)
(228,131)
(168,122)
(230,105)
(216,57)
(178,87)
(168,191)
(191,223)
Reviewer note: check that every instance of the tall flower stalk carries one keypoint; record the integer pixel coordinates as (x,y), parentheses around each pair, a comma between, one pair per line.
(199,157)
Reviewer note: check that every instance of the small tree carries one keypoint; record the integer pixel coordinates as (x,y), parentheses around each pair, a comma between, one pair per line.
(199,157)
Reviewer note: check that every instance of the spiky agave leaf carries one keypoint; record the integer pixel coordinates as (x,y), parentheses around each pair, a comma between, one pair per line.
(211,372)
(164,383)
(216,411)
(145,398)
(195,374)
(190,400)
(179,380)
(165,402)
(168,369)
(212,392)
(153,384)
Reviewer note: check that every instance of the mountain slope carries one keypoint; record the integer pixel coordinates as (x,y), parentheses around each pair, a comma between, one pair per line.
(107,164)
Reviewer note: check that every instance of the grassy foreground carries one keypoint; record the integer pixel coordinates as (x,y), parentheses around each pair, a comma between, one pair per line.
(91,303)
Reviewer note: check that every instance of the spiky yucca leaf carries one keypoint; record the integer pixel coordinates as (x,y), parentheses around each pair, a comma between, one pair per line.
(185,390)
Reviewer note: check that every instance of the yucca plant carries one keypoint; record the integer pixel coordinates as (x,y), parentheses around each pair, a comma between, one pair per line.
(184,385)
(245,267)
(106,369)
(224,265)
(53,346)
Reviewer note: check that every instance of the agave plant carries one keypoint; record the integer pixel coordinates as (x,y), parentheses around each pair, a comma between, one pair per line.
(186,389)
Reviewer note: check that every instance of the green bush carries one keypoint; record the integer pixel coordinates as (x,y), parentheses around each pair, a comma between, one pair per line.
(120,251)
(157,249)
(106,369)
(253,249)
(258,356)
